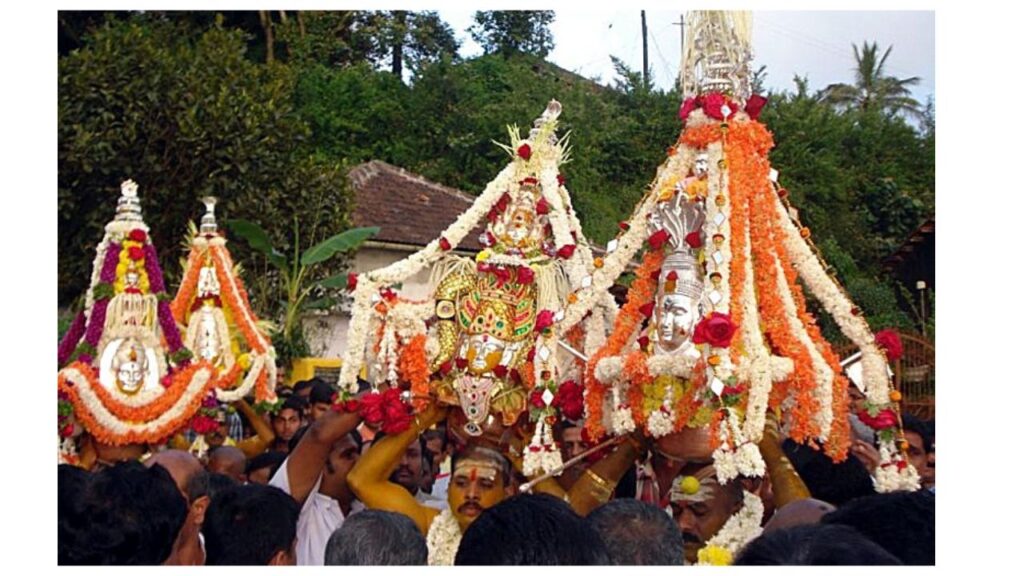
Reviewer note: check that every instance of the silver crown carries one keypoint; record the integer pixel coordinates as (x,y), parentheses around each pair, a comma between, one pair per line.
(689,278)
(717,53)
(208,224)
(128,207)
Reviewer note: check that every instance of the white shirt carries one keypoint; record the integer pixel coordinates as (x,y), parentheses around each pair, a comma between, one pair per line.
(320,516)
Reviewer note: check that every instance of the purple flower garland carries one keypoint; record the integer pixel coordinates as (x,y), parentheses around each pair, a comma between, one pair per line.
(99,309)
(70,339)
(156,276)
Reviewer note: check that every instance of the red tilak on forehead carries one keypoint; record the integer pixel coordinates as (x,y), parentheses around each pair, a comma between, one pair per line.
(472,475)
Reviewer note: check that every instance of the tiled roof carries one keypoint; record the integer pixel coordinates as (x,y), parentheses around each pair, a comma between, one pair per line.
(408,208)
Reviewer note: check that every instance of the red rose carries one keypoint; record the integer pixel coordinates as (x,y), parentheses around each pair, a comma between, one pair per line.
(136,253)
(716,330)
(643,341)
(492,215)
(528,180)
(672,276)
(502,274)
(647,309)
(351,405)
(624,226)
(732,390)
(500,371)
(561,180)
(524,275)
(524,151)
(543,207)
(544,320)
(137,235)
(398,423)
(371,408)
(713,103)
(537,398)
(569,400)
(689,105)
(353,281)
(67,430)
(693,240)
(658,239)
(461,363)
(885,419)
(890,341)
(503,202)
(754,105)
(566,252)
(445,244)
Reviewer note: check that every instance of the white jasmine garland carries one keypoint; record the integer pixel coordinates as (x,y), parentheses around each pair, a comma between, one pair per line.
(607,370)
(662,421)
(622,416)
(443,539)
(717,184)
(155,428)
(677,365)
(888,477)
(760,383)
(744,460)
(259,364)
(742,527)
(838,306)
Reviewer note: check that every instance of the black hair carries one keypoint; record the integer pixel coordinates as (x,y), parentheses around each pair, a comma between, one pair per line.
(912,423)
(265,460)
(376,538)
(439,432)
(901,522)
(834,482)
(530,530)
(321,393)
(206,483)
(814,545)
(303,384)
(636,533)
(248,525)
(494,456)
(71,481)
(126,514)
(296,403)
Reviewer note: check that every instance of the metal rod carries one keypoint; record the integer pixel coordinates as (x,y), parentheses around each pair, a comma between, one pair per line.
(569,463)
(573,351)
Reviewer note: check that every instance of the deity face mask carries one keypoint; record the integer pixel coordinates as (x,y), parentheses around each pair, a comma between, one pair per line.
(483,353)
(700,164)
(131,365)
(676,316)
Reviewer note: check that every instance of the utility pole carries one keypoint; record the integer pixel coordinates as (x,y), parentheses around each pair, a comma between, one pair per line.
(643,28)
(682,50)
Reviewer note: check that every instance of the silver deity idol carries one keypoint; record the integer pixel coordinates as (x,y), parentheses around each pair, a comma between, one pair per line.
(681,283)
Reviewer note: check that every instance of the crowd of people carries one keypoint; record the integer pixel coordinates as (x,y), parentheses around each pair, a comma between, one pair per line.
(308,485)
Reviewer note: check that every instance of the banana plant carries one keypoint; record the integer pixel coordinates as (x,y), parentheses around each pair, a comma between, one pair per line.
(295,270)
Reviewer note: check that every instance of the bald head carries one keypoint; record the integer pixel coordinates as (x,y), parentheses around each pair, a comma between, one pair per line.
(805,511)
(229,461)
(180,464)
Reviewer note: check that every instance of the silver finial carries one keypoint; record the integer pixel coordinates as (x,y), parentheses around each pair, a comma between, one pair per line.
(208,224)
(717,53)
(128,207)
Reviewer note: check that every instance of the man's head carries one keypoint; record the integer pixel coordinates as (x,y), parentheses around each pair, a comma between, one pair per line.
(180,464)
(919,446)
(343,456)
(797,513)
(251,525)
(229,461)
(480,479)
(901,522)
(570,439)
(833,482)
(126,514)
(435,441)
(289,418)
(261,468)
(530,530)
(637,533)
(304,388)
(376,538)
(184,468)
(814,545)
(701,506)
(321,396)
(218,435)
(409,472)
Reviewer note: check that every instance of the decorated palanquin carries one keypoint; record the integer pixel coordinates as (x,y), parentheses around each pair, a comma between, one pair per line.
(220,327)
(485,342)
(716,331)
(125,375)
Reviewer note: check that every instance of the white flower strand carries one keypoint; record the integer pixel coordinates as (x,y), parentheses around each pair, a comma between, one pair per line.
(888,477)
(744,460)
(741,528)
(443,539)
(839,307)
(718,183)
(760,383)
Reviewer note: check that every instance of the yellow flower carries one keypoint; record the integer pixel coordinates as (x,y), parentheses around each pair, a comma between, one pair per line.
(697,188)
(483,255)
(714,555)
(245,361)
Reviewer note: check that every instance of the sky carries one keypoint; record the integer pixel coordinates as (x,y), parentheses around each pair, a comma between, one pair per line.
(815,44)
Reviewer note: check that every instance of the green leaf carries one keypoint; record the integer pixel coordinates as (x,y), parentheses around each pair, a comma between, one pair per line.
(336,281)
(344,242)
(320,303)
(258,240)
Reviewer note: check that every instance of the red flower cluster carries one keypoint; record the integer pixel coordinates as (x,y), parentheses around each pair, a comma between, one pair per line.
(444,244)
(136,253)
(885,419)
(647,309)
(203,424)
(569,400)
(387,410)
(890,341)
(351,405)
(561,180)
(137,235)
(524,152)
(658,239)
(754,105)
(566,252)
(644,342)
(524,275)
(716,329)
(543,207)
(545,319)
(713,102)
(353,281)
(693,240)
(537,398)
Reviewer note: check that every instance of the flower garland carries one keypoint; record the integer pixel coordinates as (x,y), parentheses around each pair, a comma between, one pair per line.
(894,473)
(741,528)
(413,368)
(70,339)
(443,539)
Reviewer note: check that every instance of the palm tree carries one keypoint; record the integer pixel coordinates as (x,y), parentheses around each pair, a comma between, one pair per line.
(873,89)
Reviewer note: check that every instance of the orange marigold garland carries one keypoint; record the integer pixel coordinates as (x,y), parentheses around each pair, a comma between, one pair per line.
(641,292)
(183,299)
(637,377)
(413,368)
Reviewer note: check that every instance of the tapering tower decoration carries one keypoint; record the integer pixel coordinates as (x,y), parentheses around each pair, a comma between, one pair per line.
(124,373)
(490,348)
(219,325)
